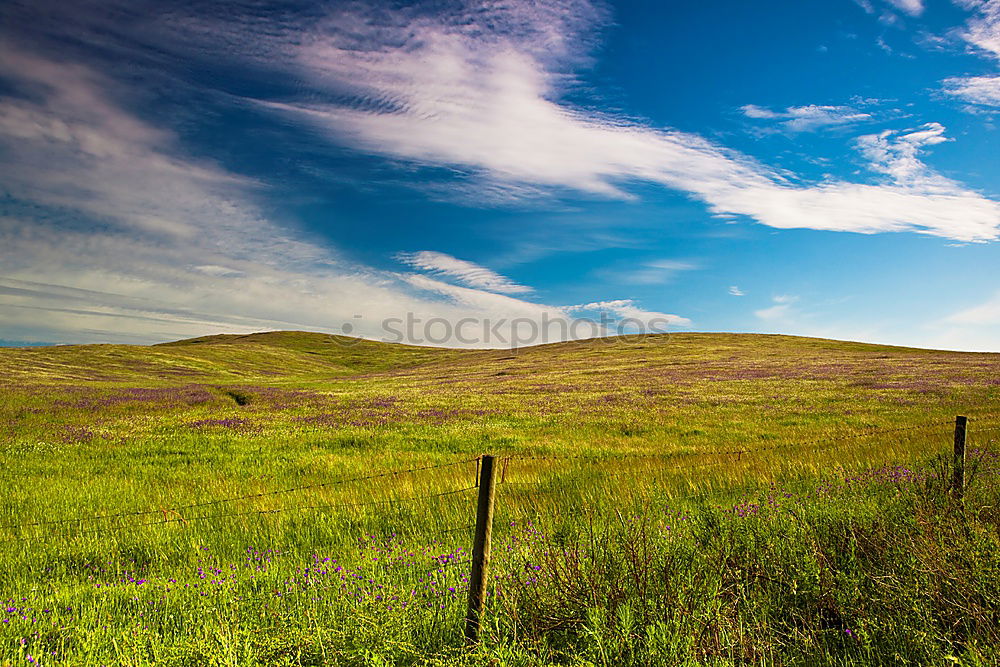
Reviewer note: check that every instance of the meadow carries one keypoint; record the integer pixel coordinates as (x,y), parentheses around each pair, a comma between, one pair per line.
(302,499)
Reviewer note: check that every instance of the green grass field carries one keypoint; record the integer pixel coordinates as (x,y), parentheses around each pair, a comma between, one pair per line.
(300,499)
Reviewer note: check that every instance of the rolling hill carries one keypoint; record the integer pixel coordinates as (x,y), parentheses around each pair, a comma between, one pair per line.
(297,354)
(215,358)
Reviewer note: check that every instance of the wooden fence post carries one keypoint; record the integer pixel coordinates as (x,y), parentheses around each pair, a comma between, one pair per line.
(481,549)
(958,478)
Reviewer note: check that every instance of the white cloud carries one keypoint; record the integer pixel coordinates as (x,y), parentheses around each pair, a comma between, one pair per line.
(911,7)
(987,313)
(468,93)
(974,327)
(982,90)
(736,291)
(897,155)
(626,309)
(807,118)
(772,313)
(671,265)
(212,270)
(466,272)
(654,272)
(982,32)
(866,5)
(486,304)
(115,235)
(779,311)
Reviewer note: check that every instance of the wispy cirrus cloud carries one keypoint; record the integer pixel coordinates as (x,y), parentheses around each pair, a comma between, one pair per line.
(464,271)
(897,154)
(911,7)
(983,29)
(982,33)
(627,309)
(982,90)
(481,286)
(112,232)
(468,92)
(974,327)
(645,272)
(780,310)
(807,118)
(986,313)
(480,91)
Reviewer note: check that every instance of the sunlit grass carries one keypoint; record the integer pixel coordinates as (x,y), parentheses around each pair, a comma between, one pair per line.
(235,448)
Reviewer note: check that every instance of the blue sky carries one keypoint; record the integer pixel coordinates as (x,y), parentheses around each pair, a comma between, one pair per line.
(824,168)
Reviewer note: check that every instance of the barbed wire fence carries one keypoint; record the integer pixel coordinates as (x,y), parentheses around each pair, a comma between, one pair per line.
(174,513)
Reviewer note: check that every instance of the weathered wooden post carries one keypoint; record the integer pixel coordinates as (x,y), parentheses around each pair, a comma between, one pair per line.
(481,548)
(958,467)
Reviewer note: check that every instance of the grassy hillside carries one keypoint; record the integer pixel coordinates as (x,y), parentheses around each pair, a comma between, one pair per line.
(279,354)
(654,394)
(665,500)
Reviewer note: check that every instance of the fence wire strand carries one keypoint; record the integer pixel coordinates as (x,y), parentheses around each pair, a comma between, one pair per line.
(260,512)
(251,496)
(867,431)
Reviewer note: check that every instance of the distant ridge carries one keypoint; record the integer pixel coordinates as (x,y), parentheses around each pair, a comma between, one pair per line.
(272,355)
